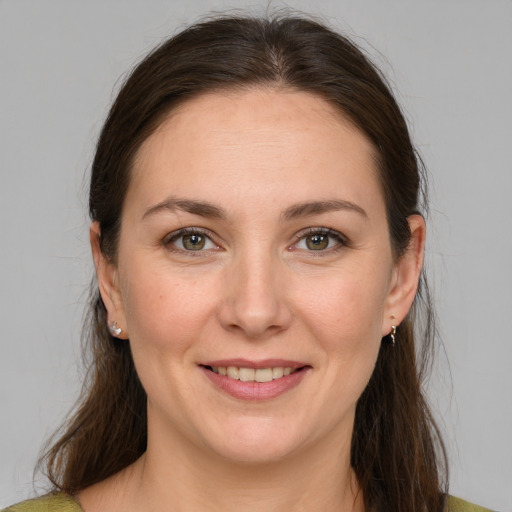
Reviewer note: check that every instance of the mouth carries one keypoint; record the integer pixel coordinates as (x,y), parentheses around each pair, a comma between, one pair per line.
(246,374)
(255,381)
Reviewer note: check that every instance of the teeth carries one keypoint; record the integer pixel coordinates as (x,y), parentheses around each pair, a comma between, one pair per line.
(246,374)
(277,373)
(263,375)
(252,375)
(232,372)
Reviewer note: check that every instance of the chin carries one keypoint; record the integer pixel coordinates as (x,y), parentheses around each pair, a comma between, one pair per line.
(256,442)
(257,453)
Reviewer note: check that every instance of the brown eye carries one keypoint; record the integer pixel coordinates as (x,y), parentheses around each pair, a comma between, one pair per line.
(317,242)
(193,242)
(320,240)
(190,240)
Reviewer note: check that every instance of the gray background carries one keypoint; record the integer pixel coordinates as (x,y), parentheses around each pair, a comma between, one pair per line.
(451,64)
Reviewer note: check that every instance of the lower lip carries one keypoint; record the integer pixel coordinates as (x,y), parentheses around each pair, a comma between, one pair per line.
(256,391)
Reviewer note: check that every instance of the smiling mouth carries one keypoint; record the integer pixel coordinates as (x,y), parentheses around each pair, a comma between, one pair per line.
(252,374)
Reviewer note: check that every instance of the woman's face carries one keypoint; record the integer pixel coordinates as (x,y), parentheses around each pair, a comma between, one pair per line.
(254,243)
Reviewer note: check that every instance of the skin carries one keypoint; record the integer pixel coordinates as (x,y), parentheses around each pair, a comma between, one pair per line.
(255,291)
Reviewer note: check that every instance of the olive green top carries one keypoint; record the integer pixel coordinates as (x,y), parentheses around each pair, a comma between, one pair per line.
(56,502)
(60,502)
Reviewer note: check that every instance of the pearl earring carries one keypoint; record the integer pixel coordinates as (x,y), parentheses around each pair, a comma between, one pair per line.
(114,330)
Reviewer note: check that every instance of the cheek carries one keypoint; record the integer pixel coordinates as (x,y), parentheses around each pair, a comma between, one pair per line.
(345,308)
(164,310)
(344,314)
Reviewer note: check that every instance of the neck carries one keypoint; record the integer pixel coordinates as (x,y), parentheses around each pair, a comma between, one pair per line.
(316,479)
(180,476)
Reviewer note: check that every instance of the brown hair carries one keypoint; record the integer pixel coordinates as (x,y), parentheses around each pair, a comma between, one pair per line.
(396,453)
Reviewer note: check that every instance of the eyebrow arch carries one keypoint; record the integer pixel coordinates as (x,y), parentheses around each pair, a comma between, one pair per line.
(317,207)
(205,209)
(171,204)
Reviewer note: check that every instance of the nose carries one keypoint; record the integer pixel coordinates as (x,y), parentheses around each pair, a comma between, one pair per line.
(254,300)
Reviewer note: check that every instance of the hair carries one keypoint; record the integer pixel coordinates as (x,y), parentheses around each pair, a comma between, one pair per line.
(397,453)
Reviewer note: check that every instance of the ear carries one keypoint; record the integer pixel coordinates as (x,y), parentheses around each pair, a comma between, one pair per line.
(406,276)
(108,285)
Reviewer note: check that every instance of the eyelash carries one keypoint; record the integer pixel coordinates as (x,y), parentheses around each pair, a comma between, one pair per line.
(341,240)
(176,235)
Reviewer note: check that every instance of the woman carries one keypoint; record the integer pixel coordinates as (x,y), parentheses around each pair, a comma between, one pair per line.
(258,242)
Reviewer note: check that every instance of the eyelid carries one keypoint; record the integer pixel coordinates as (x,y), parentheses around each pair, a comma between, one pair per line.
(169,240)
(342,240)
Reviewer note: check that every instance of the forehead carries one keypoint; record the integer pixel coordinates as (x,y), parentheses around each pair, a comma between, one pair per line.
(255,141)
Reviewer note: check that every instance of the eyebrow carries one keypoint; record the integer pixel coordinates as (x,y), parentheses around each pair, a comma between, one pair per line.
(202,208)
(206,209)
(317,207)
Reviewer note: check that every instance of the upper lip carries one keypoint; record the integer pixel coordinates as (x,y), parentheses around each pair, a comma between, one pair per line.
(263,363)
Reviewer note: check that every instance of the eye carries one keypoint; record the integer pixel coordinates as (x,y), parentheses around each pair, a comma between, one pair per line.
(320,240)
(190,240)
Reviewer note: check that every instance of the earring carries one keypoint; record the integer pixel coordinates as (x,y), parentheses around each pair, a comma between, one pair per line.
(114,330)
(392,334)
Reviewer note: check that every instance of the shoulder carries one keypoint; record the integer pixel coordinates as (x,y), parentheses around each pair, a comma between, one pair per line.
(457,505)
(55,502)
